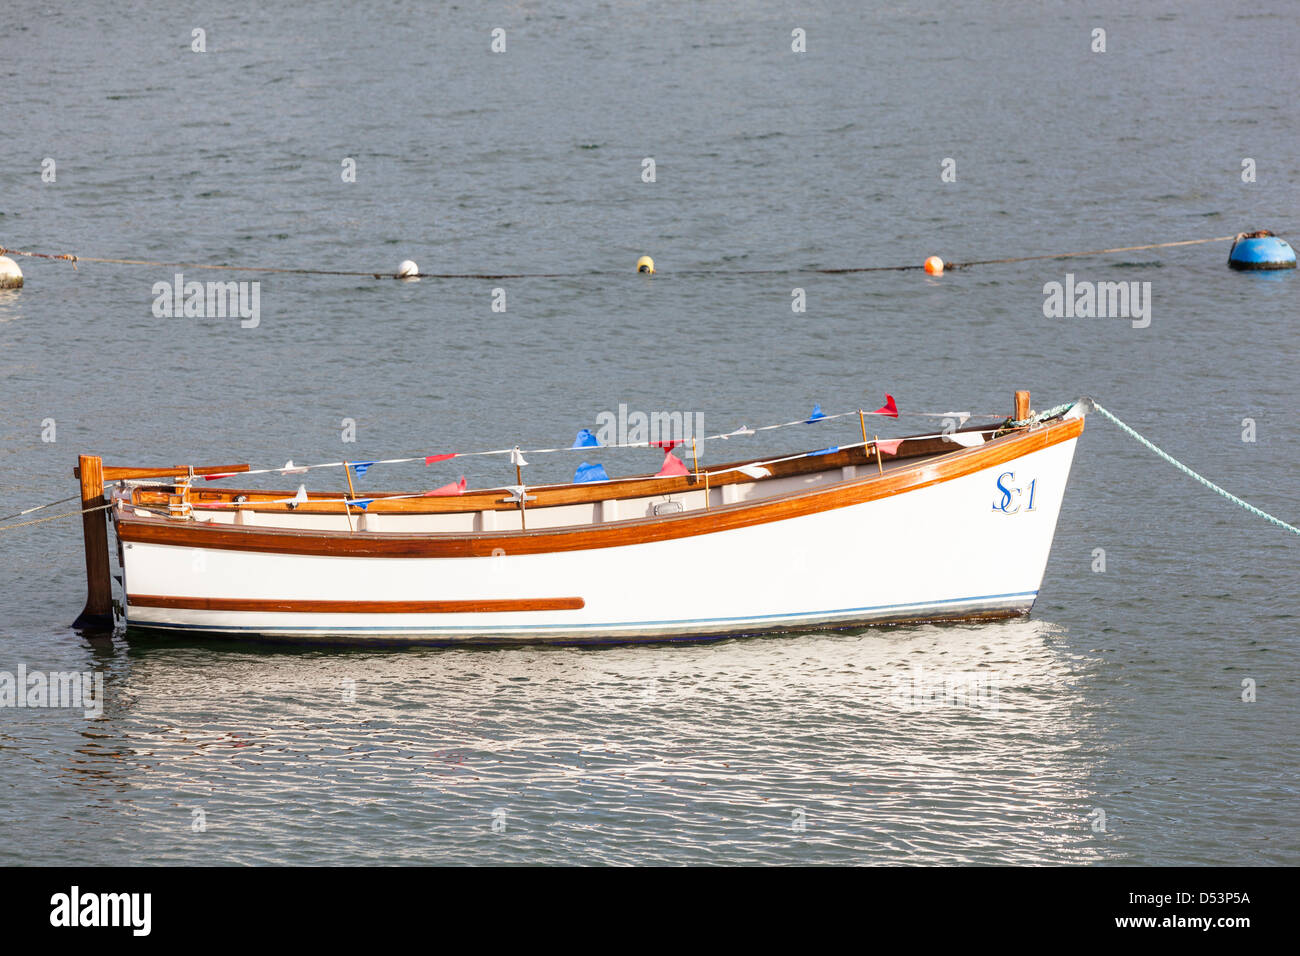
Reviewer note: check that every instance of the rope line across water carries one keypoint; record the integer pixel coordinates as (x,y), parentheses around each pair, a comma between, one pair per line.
(283,270)
(1090,252)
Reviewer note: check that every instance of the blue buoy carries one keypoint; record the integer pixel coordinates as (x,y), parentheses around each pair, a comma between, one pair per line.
(1261,250)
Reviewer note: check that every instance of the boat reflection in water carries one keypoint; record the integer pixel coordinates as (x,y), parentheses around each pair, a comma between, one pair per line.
(956,743)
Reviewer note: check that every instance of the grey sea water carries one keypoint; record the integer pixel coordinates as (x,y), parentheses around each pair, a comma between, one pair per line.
(1121,697)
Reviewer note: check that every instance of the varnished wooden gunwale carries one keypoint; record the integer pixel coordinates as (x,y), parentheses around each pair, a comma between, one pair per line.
(965,461)
(331,502)
(118,473)
(294,606)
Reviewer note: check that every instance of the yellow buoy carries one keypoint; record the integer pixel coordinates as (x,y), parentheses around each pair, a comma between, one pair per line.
(11,277)
(645,264)
(934,266)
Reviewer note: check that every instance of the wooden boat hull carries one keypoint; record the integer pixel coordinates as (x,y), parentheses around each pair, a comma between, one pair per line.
(960,537)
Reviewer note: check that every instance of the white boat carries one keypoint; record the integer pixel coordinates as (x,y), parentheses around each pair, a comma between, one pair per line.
(931,527)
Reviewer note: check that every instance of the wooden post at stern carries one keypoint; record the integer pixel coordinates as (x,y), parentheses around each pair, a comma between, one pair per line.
(98,613)
(1022,406)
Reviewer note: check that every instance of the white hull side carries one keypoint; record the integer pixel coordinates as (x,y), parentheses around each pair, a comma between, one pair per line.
(943,551)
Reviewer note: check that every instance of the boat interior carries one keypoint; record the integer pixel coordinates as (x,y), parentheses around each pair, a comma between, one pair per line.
(544,506)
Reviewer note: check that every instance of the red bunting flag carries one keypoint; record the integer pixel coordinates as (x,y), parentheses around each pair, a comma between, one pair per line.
(219,477)
(455,488)
(430,459)
(667,445)
(889,408)
(673,466)
(889,446)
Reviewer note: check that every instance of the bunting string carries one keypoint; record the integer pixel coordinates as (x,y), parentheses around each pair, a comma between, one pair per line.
(752,469)
(889,410)
(888,446)
(755,469)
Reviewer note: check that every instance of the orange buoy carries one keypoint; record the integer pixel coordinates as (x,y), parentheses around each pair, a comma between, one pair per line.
(934,266)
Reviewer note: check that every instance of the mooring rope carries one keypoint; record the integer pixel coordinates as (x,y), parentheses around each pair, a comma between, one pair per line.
(1042,416)
(283,270)
(69,514)
(48,504)
(1201,478)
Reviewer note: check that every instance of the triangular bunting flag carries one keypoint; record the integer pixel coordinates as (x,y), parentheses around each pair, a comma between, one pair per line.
(455,488)
(816,416)
(586,472)
(754,471)
(889,408)
(517,457)
(585,439)
(431,459)
(361,467)
(289,469)
(298,499)
(889,446)
(672,467)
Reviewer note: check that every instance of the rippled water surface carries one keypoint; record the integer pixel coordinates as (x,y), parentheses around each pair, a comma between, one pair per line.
(1120,698)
